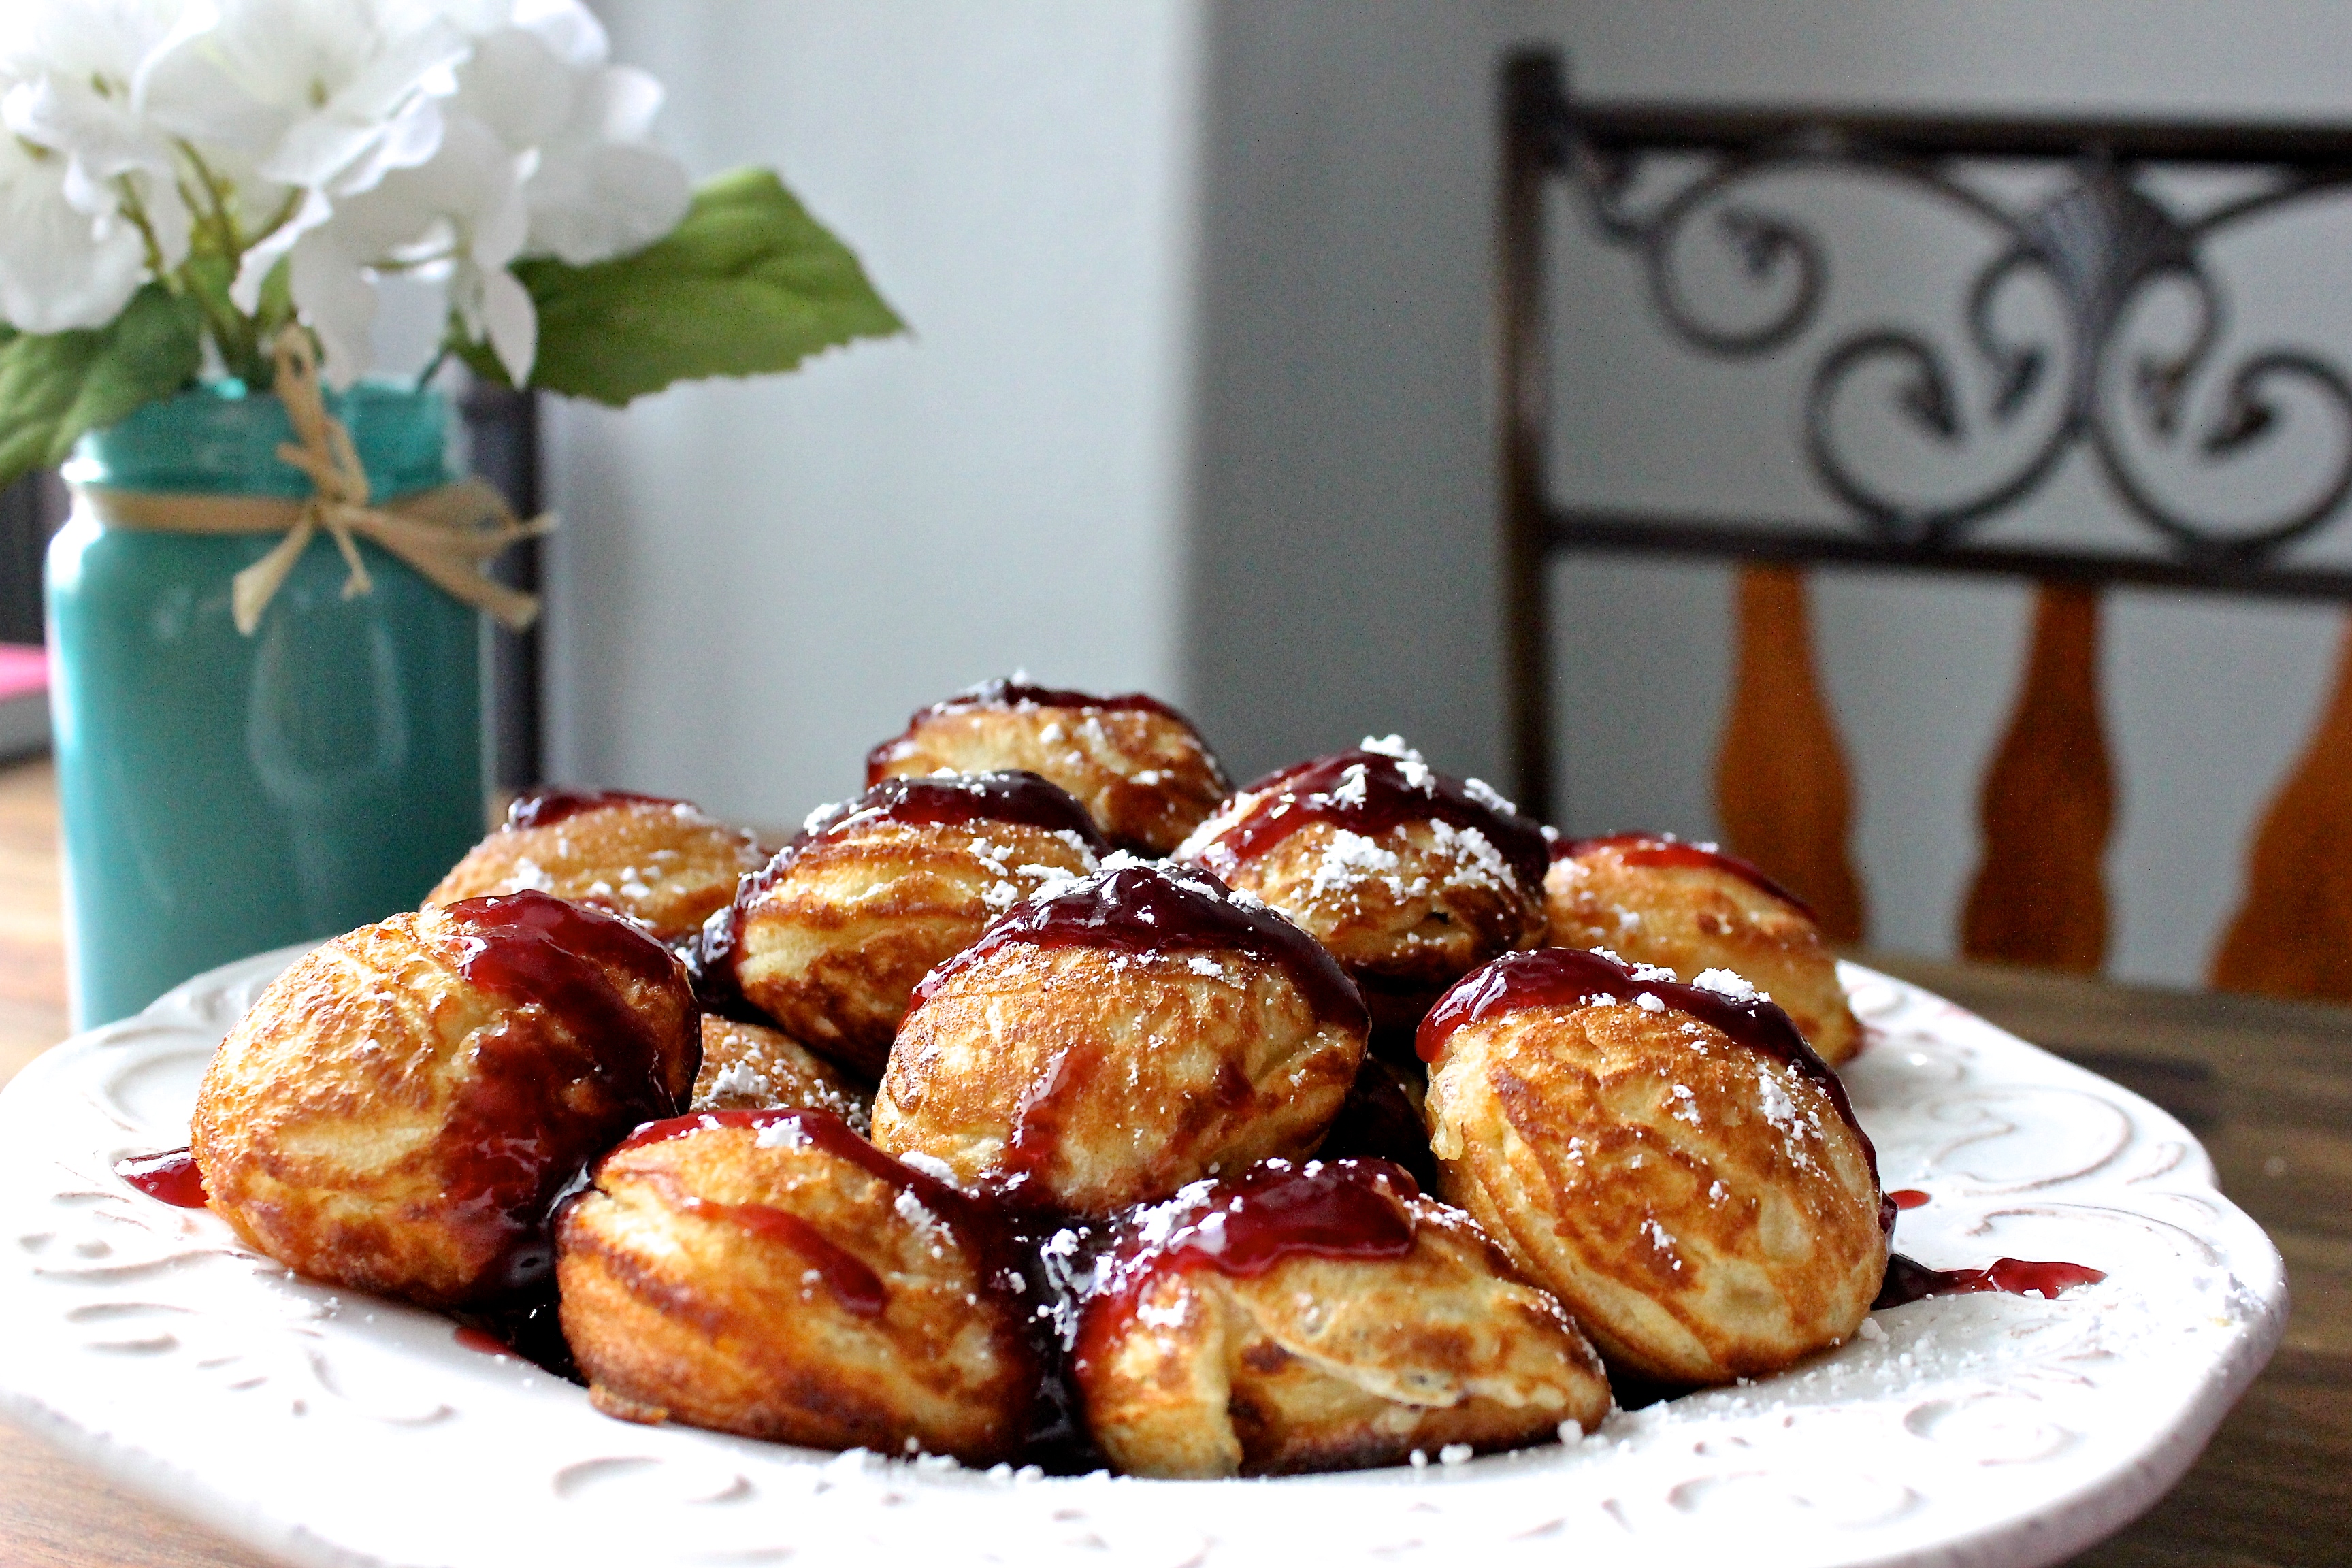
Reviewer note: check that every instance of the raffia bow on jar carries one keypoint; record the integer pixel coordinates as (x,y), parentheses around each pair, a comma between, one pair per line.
(447,534)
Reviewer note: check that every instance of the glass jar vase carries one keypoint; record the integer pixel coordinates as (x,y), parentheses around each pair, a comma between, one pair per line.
(222,793)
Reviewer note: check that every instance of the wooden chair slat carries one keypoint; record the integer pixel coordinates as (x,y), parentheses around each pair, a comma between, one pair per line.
(1782,789)
(2292,935)
(2048,804)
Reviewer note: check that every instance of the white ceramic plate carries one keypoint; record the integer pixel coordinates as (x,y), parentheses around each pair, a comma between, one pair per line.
(331,1428)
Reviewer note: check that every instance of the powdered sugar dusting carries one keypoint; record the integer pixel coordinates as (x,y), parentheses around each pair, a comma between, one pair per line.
(1411,768)
(929,1165)
(910,1208)
(742,1077)
(782,1135)
(1794,1125)
(1493,799)
(1723,982)
(1349,857)
(1477,861)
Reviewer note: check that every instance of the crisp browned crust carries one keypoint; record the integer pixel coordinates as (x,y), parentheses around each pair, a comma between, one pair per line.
(1326,1364)
(1692,919)
(1147,778)
(1087,1079)
(832,947)
(748,1067)
(1701,1208)
(339,1125)
(675,1310)
(1407,911)
(666,865)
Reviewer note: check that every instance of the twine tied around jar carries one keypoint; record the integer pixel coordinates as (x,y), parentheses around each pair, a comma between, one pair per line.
(447,534)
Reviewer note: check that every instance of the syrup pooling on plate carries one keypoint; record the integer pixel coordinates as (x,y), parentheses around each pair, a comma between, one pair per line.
(1665,849)
(1018,797)
(1369,792)
(546,807)
(526,1328)
(170,1177)
(520,1126)
(1908,1280)
(1574,977)
(1147,906)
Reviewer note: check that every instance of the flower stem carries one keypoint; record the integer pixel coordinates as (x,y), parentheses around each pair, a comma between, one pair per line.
(133,209)
(210,272)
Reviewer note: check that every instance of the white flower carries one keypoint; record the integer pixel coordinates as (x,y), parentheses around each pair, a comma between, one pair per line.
(344,138)
(459,217)
(73,150)
(75,65)
(322,98)
(599,191)
(541,151)
(323,95)
(61,268)
(538,77)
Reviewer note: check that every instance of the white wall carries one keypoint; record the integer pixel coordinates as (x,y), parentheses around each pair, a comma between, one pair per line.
(1343,567)
(1198,401)
(758,580)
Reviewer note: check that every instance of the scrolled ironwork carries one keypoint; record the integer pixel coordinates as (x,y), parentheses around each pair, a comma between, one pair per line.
(2100,245)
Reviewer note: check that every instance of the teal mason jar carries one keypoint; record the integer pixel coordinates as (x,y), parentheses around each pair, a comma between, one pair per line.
(221,793)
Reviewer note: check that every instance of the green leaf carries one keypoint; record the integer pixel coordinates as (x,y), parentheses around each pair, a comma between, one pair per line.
(747,284)
(55,385)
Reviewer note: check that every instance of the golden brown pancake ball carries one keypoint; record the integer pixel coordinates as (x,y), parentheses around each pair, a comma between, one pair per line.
(1672,1161)
(831,937)
(1691,908)
(750,1066)
(770,1273)
(1318,1317)
(1409,877)
(1133,762)
(661,862)
(399,1108)
(1106,1044)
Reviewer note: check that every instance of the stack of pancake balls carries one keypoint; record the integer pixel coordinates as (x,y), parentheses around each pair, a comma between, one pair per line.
(1053,1100)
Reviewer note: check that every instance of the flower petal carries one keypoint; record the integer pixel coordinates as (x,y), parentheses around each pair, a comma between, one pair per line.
(337,299)
(512,323)
(61,268)
(625,197)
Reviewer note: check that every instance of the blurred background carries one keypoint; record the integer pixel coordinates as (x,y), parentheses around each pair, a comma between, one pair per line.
(1201,397)
(1197,399)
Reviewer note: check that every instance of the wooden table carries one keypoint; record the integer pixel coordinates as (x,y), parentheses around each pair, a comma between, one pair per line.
(2266,1084)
